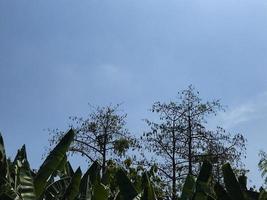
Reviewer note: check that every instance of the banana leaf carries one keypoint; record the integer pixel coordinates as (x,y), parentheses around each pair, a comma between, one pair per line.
(52,163)
(232,185)
(127,190)
(25,185)
(188,188)
(73,189)
(56,190)
(148,193)
(90,178)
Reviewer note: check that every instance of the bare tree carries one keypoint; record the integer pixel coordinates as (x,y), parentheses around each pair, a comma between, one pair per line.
(225,147)
(100,136)
(164,141)
(180,140)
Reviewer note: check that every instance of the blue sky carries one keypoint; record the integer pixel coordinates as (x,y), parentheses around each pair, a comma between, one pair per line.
(56,56)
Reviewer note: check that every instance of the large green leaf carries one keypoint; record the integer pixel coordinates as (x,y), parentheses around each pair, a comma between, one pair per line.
(85,188)
(61,169)
(91,177)
(3,163)
(69,170)
(127,190)
(148,193)
(200,196)
(221,194)
(263,195)
(242,180)
(56,190)
(188,188)
(100,192)
(231,183)
(94,172)
(52,162)
(7,192)
(202,183)
(73,189)
(205,172)
(25,185)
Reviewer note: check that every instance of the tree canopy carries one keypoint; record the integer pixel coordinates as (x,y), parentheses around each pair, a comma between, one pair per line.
(180,140)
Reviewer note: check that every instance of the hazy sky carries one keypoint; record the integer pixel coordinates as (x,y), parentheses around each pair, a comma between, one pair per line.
(56,56)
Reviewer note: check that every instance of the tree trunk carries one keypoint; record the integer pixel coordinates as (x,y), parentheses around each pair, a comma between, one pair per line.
(173,165)
(190,171)
(104,154)
(105,141)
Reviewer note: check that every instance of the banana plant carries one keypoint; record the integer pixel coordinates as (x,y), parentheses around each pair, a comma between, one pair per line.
(22,183)
(91,187)
(72,190)
(231,183)
(235,188)
(6,190)
(52,163)
(126,188)
(56,180)
(199,189)
(148,193)
(188,188)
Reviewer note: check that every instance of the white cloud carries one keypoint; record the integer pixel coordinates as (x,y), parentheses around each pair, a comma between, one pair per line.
(255,108)
(238,115)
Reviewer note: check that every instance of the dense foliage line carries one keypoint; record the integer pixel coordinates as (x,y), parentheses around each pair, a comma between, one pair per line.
(56,180)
